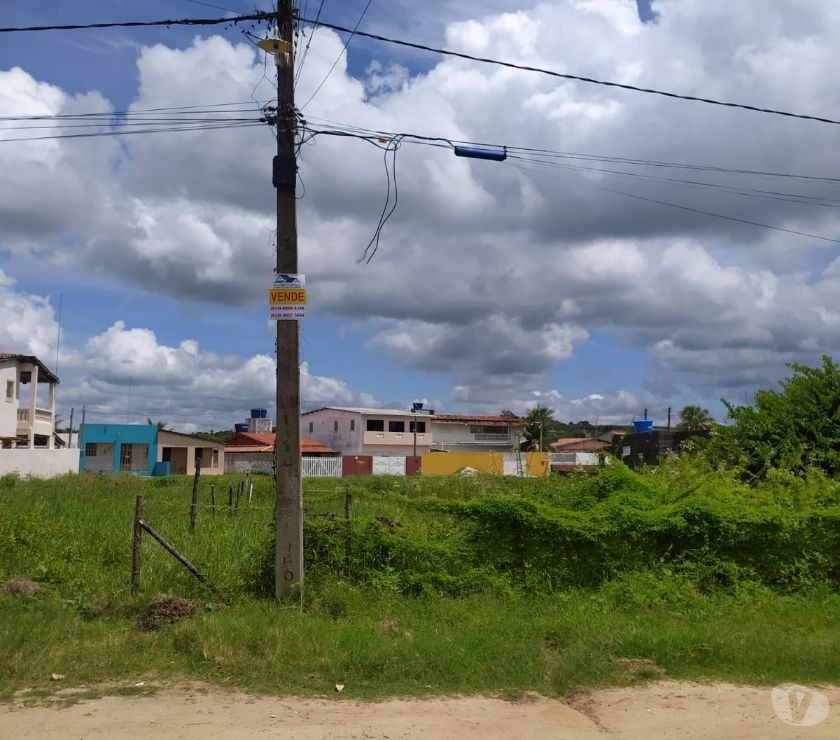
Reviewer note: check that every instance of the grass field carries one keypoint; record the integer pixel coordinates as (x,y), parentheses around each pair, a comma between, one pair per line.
(452,585)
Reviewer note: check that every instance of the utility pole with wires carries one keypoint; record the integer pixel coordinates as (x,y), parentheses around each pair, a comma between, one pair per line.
(288,501)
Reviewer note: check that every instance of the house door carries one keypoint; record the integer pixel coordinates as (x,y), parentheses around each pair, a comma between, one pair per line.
(177,457)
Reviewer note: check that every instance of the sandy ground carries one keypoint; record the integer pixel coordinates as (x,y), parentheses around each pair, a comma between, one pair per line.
(667,709)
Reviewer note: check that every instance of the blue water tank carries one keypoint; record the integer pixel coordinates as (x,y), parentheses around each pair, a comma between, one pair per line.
(240,427)
(643,425)
(259,413)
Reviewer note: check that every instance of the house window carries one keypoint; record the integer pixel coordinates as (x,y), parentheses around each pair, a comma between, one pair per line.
(214,458)
(311,427)
(396,426)
(335,425)
(417,426)
(352,425)
(90,449)
(375,425)
(498,431)
(10,390)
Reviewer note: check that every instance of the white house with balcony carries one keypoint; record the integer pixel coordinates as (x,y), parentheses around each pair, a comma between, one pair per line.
(369,431)
(27,419)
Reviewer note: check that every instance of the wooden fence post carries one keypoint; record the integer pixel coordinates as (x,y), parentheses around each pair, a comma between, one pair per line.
(194,504)
(239,490)
(230,499)
(348,522)
(213,499)
(135,546)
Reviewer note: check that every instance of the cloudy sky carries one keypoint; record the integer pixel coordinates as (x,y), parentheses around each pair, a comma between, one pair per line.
(550,278)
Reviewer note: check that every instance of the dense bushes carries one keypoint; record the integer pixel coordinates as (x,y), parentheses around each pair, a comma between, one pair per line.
(449,536)
(544,536)
(795,429)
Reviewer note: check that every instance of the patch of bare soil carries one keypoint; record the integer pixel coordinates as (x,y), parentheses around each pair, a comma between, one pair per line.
(666,709)
(165,610)
(21,586)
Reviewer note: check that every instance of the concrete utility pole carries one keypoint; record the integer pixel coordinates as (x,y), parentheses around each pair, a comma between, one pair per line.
(288,502)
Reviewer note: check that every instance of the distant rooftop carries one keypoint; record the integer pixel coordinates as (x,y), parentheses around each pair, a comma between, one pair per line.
(365,411)
(507,421)
(43,371)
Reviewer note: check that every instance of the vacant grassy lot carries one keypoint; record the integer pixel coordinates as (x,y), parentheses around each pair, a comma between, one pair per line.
(449,585)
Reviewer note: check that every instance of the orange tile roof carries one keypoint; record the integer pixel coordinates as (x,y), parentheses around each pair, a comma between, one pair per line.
(264,442)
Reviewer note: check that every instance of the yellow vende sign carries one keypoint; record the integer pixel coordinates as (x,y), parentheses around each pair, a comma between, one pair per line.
(287,296)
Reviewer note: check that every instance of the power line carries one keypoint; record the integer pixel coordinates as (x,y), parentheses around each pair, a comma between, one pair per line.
(259,16)
(788,197)
(700,211)
(141,24)
(118,132)
(513,151)
(577,78)
(434,141)
(721,215)
(340,54)
(308,42)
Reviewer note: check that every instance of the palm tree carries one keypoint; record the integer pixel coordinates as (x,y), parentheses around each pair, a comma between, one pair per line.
(695,418)
(540,427)
(161,425)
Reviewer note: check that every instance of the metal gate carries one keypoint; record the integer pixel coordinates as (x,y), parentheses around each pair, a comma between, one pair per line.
(321,467)
(514,463)
(388,465)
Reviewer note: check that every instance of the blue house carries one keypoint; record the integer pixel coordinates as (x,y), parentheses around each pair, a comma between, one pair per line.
(143,449)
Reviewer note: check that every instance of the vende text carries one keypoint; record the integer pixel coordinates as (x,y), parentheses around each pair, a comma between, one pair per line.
(287,296)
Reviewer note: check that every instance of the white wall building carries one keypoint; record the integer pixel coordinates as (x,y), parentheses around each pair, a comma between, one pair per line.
(367,431)
(27,411)
(27,420)
(363,431)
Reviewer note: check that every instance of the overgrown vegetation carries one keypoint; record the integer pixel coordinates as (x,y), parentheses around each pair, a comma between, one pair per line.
(461,584)
(722,563)
(795,429)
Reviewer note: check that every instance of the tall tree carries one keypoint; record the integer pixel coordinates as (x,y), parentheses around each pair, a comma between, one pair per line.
(695,418)
(792,429)
(541,425)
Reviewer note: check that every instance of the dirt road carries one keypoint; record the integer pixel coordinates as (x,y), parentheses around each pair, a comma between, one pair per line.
(669,709)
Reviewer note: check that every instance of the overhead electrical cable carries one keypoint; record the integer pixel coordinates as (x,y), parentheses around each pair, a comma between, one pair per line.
(266,16)
(801,199)
(700,211)
(576,78)
(119,132)
(520,152)
(340,54)
(374,137)
(261,16)
(308,43)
